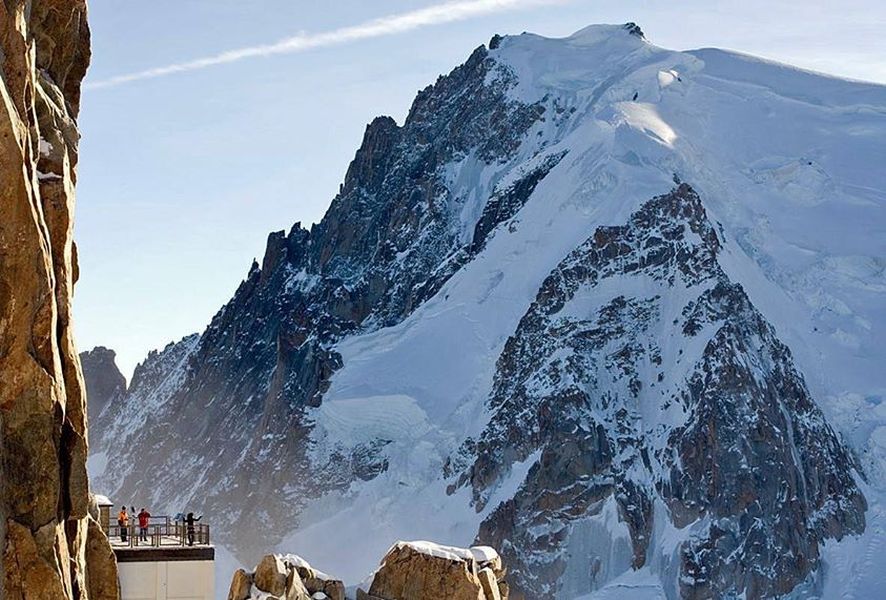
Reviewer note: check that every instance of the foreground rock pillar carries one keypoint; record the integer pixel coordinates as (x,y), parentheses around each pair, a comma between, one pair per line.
(46,536)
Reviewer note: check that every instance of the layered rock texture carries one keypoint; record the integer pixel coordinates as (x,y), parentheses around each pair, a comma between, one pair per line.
(612,309)
(51,547)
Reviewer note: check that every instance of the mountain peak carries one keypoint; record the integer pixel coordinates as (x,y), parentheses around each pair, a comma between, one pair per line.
(601,31)
(608,37)
(104,381)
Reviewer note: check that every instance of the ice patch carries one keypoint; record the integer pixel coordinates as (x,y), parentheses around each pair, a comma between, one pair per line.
(360,420)
(645,117)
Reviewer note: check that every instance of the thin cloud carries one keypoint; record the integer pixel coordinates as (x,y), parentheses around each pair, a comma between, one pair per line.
(438,14)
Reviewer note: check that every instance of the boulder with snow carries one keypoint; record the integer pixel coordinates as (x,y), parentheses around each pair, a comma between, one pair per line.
(428,571)
(241,585)
(319,584)
(285,577)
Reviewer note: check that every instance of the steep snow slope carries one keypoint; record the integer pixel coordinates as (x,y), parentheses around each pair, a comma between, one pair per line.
(788,161)
(350,379)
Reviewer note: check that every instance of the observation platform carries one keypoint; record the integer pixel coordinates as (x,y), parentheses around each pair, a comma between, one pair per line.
(167,560)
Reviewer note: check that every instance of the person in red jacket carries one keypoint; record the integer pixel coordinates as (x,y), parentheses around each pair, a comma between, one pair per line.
(144,518)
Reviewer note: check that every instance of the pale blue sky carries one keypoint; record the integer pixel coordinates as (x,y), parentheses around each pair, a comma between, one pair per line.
(182,176)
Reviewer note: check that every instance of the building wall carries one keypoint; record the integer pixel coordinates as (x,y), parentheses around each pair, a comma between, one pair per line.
(105,518)
(162,580)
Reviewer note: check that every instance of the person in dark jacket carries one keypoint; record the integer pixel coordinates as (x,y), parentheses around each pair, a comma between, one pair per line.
(189,522)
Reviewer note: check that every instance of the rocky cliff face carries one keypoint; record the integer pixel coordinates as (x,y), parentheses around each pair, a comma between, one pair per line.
(575,306)
(391,238)
(104,381)
(727,433)
(47,535)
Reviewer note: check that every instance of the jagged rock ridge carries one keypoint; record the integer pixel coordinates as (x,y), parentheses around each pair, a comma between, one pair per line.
(733,437)
(104,381)
(382,249)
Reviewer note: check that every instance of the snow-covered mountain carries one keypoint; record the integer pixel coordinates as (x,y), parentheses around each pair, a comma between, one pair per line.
(613,309)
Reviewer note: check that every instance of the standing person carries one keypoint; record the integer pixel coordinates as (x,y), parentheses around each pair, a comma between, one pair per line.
(123,523)
(144,517)
(190,520)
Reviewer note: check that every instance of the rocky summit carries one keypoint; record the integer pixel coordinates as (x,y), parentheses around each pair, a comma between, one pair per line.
(104,381)
(614,310)
(52,547)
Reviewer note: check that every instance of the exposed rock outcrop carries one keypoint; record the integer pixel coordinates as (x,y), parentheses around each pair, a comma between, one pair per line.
(241,585)
(104,381)
(101,565)
(427,571)
(734,436)
(50,548)
(286,577)
(409,571)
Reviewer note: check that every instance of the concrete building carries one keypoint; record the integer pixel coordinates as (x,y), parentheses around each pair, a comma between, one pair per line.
(166,561)
(104,512)
(168,573)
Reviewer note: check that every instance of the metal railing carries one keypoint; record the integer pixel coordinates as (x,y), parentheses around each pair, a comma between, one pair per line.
(161,531)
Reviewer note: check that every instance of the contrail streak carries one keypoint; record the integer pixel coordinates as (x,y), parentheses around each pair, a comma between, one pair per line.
(438,14)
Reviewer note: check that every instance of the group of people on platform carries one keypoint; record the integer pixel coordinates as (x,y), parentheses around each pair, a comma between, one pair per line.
(144,519)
